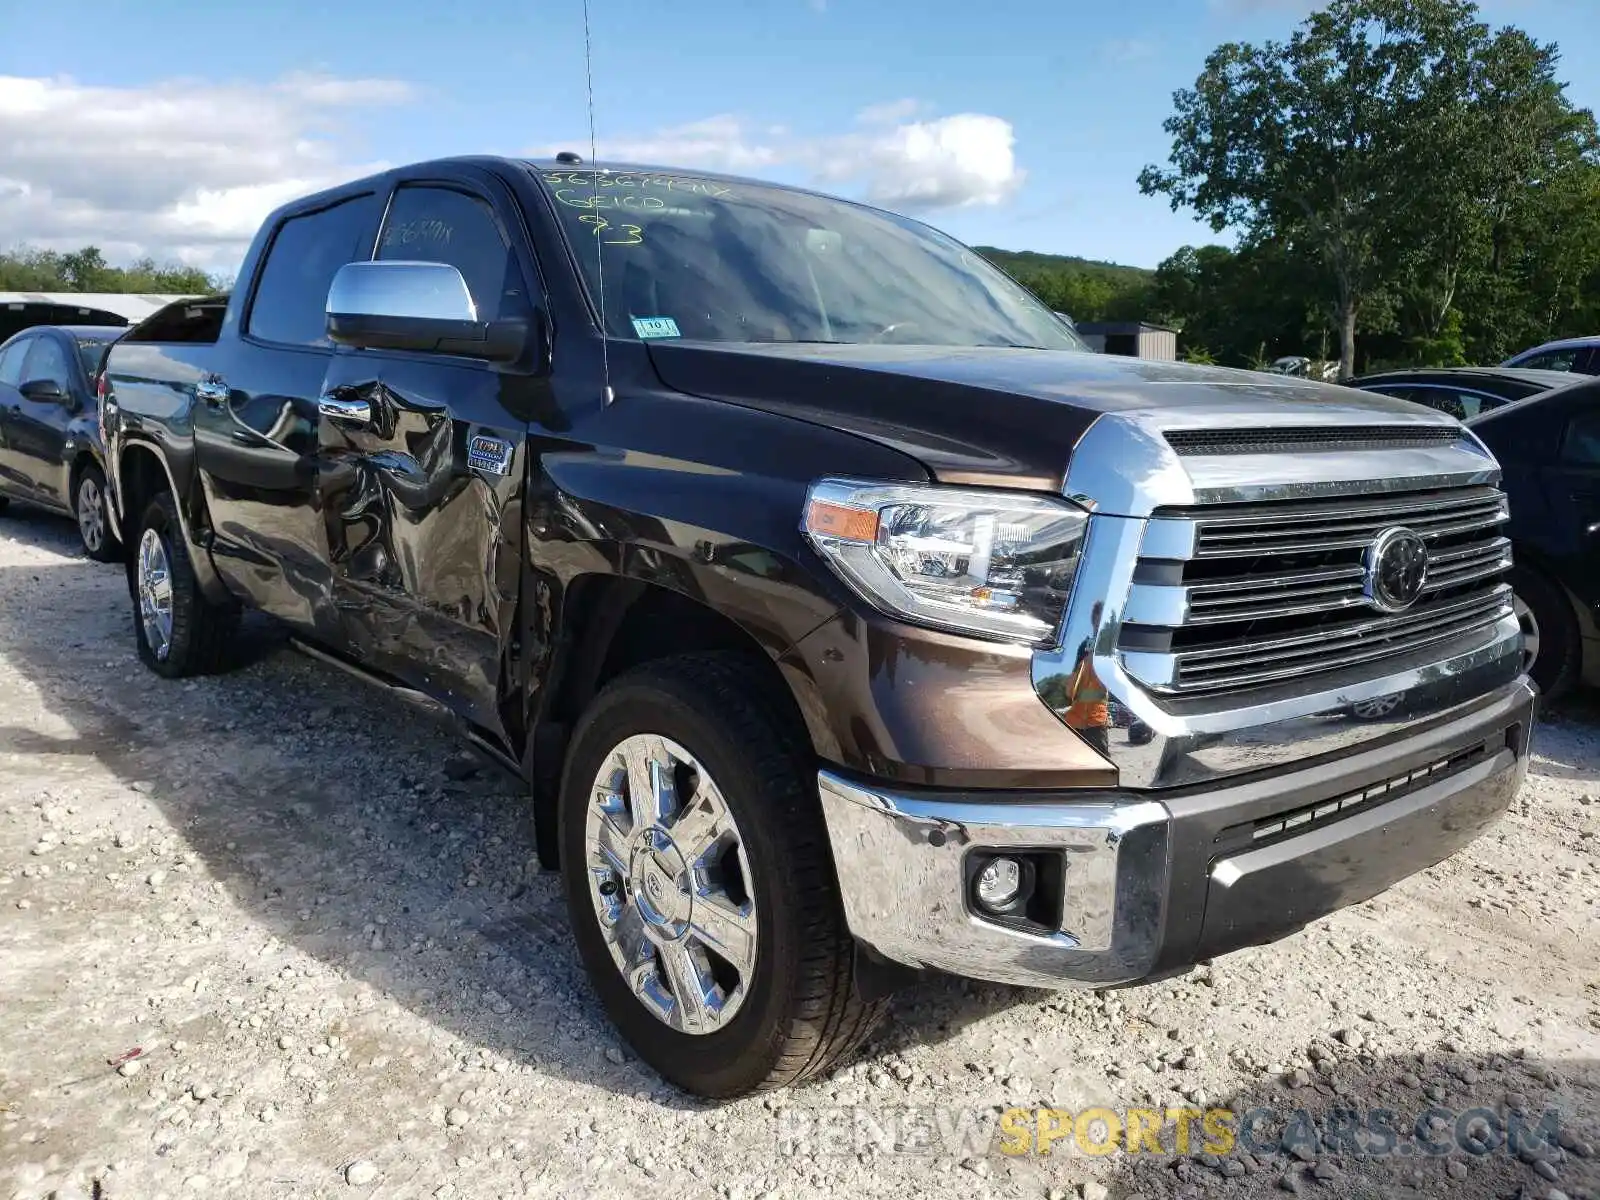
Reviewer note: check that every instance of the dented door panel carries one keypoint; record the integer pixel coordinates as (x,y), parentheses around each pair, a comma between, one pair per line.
(422,503)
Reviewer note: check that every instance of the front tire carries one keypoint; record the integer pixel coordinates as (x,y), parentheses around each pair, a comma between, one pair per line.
(179,631)
(700,880)
(1552,645)
(90,509)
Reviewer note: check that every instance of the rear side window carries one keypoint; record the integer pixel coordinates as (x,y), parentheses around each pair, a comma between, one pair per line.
(1460,405)
(92,354)
(11,361)
(190,323)
(442,225)
(291,298)
(1555,360)
(1406,391)
(1581,445)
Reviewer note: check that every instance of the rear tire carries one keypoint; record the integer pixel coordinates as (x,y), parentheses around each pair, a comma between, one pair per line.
(1553,647)
(795,1011)
(179,631)
(90,510)
(5,503)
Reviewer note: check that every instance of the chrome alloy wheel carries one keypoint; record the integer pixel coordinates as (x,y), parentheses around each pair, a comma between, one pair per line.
(670,882)
(153,582)
(91,515)
(1530,631)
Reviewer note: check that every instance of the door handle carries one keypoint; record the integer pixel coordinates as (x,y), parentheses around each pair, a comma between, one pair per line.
(344,409)
(212,391)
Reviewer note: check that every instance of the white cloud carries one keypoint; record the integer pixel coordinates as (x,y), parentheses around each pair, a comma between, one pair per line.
(951,162)
(959,161)
(178,169)
(721,143)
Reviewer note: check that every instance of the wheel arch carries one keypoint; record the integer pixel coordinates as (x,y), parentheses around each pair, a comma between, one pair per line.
(610,624)
(142,473)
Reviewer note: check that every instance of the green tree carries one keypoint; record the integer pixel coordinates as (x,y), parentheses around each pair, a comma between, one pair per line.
(1387,139)
(86,270)
(1084,289)
(1261,298)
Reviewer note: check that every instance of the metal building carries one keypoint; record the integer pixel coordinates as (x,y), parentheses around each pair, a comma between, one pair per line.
(19,310)
(1133,339)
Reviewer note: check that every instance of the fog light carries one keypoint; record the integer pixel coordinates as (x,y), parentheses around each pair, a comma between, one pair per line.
(998,883)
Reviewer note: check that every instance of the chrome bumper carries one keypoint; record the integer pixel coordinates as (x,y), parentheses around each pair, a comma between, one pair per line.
(1152,885)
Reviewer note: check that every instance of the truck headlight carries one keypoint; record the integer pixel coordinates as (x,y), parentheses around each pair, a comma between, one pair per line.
(997,564)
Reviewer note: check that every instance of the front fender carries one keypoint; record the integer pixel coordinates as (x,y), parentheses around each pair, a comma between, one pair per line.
(703,499)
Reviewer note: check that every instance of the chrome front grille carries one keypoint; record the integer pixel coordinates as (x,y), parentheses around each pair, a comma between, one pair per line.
(1228,598)
(1251,530)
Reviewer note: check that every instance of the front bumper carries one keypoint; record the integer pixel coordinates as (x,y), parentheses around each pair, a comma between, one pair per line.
(1150,885)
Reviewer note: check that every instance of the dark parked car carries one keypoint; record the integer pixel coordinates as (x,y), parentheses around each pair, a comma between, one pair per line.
(845,618)
(1578,356)
(1549,450)
(1464,392)
(50,451)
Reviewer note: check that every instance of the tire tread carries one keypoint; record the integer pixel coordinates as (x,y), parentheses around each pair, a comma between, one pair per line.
(828,1020)
(207,629)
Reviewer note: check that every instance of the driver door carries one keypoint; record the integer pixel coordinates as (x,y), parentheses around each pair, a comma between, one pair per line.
(423,457)
(36,430)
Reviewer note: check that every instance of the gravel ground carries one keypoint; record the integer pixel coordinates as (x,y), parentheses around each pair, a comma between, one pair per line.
(317,921)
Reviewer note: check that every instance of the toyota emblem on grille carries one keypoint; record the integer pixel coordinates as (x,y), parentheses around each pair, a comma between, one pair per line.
(1396,568)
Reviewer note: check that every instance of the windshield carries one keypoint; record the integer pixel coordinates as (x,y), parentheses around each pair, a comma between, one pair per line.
(688,257)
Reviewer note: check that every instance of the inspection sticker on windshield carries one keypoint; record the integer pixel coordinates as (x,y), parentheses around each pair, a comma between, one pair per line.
(649,327)
(487,453)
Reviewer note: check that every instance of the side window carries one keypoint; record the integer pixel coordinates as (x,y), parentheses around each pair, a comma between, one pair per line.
(1411,392)
(1581,445)
(1448,400)
(1471,404)
(1554,360)
(291,298)
(439,224)
(11,361)
(47,360)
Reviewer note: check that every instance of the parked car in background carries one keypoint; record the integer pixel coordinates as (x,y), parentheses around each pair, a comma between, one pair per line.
(1464,392)
(845,619)
(1549,452)
(1304,368)
(50,450)
(1578,356)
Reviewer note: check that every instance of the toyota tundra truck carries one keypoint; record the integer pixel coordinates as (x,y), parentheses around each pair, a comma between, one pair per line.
(845,616)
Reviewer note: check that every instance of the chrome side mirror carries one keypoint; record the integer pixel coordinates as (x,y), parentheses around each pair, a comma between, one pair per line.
(421,306)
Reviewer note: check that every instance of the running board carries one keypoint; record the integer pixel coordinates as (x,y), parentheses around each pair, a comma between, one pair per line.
(421,701)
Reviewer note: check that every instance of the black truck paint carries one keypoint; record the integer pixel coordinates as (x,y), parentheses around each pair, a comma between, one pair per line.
(601,536)
(1549,448)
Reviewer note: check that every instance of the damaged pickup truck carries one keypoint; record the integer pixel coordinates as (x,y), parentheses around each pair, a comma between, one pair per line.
(845,616)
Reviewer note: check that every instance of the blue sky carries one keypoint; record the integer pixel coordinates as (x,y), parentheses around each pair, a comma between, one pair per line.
(1022,125)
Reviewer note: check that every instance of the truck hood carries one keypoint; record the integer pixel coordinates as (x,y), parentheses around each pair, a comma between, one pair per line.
(997,416)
